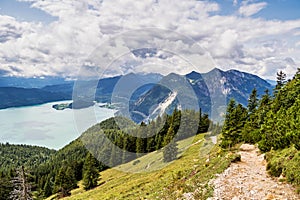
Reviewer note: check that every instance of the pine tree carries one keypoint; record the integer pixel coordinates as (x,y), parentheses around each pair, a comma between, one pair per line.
(294,124)
(65,181)
(47,188)
(22,187)
(281,80)
(233,124)
(252,101)
(5,186)
(264,106)
(90,172)
(170,146)
(140,141)
(170,152)
(228,125)
(297,75)
(250,131)
(274,131)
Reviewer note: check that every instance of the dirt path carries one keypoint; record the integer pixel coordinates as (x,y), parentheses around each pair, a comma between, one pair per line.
(248,179)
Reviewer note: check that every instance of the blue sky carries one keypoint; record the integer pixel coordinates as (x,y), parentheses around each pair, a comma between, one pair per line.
(23,12)
(275,9)
(58,38)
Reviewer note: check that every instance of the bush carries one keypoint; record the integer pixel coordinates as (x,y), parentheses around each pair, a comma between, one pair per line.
(136,162)
(233,157)
(263,147)
(274,169)
(285,162)
(292,169)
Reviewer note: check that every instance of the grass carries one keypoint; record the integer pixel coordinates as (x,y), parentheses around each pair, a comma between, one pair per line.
(285,163)
(189,173)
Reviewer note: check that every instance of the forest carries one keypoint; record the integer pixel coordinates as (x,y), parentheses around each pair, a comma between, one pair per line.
(271,121)
(48,172)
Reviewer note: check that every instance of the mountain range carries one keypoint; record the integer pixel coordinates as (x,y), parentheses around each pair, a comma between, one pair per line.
(144,96)
(212,91)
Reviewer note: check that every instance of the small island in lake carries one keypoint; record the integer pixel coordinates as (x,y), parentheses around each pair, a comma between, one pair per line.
(62,106)
(79,104)
(108,106)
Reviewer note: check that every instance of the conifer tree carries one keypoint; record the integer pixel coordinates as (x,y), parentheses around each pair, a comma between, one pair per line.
(140,142)
(5,186)
(250,131)
(297,75)
(233,124)
(252,101)
(90,172)
(65,181)
(170,146)
(264,106)
(294,123)
(47,188)
(281,80)
(228,125)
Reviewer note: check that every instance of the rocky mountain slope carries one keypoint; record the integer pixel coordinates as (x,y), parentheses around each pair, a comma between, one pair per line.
(212,91)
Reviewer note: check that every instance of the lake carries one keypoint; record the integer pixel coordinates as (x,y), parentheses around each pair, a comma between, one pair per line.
(44,126)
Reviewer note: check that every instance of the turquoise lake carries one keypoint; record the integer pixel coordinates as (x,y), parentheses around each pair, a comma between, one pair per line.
(44,126)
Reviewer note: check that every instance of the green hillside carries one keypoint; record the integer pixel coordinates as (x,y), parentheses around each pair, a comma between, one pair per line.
(189,173)
(58,172)
(271,121)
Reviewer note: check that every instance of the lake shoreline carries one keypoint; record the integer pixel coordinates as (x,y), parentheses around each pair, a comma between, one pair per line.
(41,125)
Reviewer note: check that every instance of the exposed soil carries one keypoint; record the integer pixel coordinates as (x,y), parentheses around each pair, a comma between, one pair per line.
(249,180)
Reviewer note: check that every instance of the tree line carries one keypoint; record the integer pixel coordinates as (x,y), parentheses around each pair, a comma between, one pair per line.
(60,172)
(272,120)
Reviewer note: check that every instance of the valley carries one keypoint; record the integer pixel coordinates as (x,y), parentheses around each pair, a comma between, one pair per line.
(150,100)
(177,152)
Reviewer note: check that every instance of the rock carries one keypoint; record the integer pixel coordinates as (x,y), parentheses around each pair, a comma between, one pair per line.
(188,196)
(247,147)
(252,192)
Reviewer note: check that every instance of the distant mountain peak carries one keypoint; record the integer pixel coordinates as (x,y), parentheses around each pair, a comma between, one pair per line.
(217,69)
(194,75)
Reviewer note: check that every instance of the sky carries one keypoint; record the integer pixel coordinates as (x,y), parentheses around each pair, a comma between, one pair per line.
(74,38)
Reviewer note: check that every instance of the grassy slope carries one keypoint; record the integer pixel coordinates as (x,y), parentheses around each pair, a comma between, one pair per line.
(285,163)
(187,174)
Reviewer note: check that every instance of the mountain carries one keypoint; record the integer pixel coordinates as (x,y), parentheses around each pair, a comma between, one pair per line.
(26,91)
(212,91)
(15,97)
(272,82)
(163,96)
(144,96)
(37,82)
(102,90)
(235,84)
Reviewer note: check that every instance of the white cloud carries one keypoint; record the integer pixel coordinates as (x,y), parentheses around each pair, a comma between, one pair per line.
(248,10)
(235,2)
(63,46)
